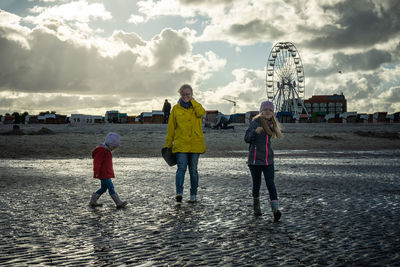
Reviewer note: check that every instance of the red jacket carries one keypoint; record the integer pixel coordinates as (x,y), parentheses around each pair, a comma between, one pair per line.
(102,163)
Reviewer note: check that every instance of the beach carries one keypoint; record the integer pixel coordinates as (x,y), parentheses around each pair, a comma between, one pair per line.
(146,140)
(338,187)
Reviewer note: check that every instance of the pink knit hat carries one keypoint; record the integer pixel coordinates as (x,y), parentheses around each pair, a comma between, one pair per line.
(266,104)
(112,139)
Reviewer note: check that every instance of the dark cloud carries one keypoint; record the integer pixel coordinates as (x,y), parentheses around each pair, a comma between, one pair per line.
(169,46)
(362,24)
(392,95)
(254,29)
(344,63)
(369,60)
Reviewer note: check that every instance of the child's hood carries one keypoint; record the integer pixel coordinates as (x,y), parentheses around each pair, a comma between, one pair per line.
(100,147)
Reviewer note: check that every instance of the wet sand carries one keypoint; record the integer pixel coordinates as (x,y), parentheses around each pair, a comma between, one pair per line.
(341,210)
(340,204)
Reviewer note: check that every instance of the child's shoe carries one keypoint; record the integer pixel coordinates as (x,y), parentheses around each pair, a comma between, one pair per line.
(192,199)
(120,204)
(178,198)
(93,200)
(256,206)
(275,210)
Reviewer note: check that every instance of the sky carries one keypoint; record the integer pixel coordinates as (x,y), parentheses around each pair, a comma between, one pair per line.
(88,56)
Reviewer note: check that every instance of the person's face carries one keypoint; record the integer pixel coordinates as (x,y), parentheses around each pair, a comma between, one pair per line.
(186,95)
(267,113)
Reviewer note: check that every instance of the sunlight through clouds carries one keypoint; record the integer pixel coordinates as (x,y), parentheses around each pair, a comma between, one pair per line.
(54,51)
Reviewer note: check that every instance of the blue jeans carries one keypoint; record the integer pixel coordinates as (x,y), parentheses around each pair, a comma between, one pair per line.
(269,173)
(106,184)
(184,160)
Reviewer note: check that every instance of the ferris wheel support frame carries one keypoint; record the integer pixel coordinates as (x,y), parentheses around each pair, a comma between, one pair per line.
(288,94)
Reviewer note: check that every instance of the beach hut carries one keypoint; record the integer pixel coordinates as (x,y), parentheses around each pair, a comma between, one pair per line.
(362,118)
(348,117)
(131,119)
(396,117)
(284,116)
(157,117)
(304,118)
(318,116)
(238,118)
(8,119)
(123,117)
(379,117)
(82,119)
(250,115)
(146,117)
(393,118)
(211,116)
(330,118)
(112,116)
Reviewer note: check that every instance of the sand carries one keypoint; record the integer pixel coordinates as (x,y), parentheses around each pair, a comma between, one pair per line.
(139,140)
(339,193)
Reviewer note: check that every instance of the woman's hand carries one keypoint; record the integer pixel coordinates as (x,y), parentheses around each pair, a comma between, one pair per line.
(259,130)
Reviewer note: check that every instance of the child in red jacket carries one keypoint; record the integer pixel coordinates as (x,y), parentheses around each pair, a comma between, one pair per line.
(103,170)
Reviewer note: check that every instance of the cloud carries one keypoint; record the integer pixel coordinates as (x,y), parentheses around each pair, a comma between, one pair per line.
(135,19)
(135,69)
(359,24)
(247,89)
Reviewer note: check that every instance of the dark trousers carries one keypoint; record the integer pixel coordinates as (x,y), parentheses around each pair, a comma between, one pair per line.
(166,117)
(106,184)
(269,173)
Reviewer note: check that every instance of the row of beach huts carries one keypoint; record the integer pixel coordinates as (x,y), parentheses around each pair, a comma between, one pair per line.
(157,117)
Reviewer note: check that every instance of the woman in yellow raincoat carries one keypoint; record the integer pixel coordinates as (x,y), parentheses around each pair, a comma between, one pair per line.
(185,136)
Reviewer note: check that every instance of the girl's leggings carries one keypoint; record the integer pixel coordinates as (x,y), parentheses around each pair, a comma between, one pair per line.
(106,184)
(269,172)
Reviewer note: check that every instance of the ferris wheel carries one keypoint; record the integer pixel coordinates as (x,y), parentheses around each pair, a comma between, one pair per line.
(285,79)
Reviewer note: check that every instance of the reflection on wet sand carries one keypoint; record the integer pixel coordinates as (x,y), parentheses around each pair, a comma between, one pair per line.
(338,209)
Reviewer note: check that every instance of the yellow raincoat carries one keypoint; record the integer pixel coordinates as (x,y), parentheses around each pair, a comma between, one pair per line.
(185,133)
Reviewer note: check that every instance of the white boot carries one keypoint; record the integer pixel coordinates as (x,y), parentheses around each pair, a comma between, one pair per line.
(120,204)
(93,200)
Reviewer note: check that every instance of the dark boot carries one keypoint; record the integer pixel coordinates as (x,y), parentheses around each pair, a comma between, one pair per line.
(120,204)
(275,210)
(256,206)
(93,200)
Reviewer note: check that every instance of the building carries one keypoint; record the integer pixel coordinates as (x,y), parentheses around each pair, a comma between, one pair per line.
(327,104)
(157,117)
(82,119)
(112,116)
